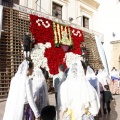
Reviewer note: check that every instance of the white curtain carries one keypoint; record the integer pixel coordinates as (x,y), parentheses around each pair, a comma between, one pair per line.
(1,17)
(102,52)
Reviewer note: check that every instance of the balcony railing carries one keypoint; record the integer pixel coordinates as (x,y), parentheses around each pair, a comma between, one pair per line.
(7,3)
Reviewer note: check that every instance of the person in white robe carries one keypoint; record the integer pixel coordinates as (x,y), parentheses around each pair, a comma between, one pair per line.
(103,77)
(107,79)
(100,75)
(92,78)
(40,91)
(77,95)
(20,94)
(58,79)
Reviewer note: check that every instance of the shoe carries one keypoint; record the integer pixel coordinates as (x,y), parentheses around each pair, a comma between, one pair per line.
(109,111)
(105,113)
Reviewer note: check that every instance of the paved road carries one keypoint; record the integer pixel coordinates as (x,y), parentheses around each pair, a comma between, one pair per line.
(114,115)
(115,110)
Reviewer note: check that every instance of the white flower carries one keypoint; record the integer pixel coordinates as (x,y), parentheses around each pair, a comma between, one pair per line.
(36,46)
(37,55)
(37,21)
(40,22)
(48,45)
(70,57)
(77,33)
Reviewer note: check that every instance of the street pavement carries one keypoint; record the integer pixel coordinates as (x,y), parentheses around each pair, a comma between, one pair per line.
(114,115)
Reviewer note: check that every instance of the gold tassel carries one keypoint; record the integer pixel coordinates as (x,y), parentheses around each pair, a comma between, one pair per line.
(71,114)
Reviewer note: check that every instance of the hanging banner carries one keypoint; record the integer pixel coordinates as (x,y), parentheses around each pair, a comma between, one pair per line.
(1,17)
(102,53)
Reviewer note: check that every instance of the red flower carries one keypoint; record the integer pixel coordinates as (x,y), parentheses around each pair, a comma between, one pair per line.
(42,35)
(76,41)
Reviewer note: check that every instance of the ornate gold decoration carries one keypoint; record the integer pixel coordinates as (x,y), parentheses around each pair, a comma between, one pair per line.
(62,35)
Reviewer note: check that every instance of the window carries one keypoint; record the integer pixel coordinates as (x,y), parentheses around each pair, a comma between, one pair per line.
(16,1)
(85,22)
(56,10)
(6,3)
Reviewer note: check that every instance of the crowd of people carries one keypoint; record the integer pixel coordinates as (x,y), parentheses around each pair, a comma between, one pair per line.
(80,93)
(28,95)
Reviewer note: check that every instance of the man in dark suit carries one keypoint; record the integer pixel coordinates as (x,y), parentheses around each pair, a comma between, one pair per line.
(27,44)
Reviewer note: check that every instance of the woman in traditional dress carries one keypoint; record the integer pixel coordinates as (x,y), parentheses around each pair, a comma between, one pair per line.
(92,78)
(114,85)
(40,91)
(20,98)
(77,95)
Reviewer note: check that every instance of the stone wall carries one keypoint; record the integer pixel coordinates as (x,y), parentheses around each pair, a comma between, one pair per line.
(115,55)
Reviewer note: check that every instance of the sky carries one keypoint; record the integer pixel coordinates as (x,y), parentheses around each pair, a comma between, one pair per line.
(109,19)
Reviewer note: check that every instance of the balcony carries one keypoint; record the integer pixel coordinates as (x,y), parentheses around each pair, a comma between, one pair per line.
(7,3)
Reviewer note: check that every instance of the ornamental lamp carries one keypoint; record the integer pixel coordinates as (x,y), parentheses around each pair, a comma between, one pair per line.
(70,19)
(113,34)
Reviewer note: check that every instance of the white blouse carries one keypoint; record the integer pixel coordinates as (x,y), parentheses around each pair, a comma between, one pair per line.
(29,98)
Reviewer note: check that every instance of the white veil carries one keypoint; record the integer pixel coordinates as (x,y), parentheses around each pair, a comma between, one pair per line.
(103,77)
(38,79)
(38,82)
(92,78)
(90,72)
(79,91)
(16,97)
(107,79)
(100,75)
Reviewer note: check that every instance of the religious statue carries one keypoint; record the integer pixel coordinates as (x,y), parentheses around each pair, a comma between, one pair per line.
(66,37)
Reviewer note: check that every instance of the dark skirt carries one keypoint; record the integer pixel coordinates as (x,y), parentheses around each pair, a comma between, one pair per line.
(28,113)
(26,48)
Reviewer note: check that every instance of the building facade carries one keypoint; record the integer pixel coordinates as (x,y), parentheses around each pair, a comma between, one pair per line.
(109,25)
(81,12)
(115,54)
